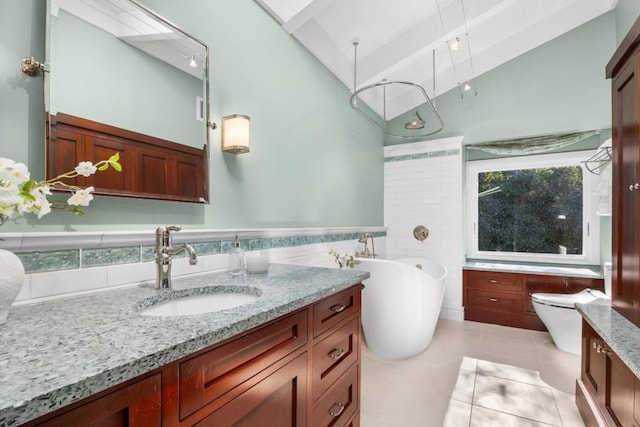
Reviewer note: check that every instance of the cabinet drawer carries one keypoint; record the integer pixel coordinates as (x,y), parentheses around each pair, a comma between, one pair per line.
(340,403)
(489,280)
(277,401)
(334,309)
(333,355)
(208,376)
(492,300)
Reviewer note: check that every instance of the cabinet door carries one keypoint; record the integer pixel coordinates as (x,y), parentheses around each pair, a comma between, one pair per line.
(593,363)
(222,373)
(137,405)
(626,188)
(280,398)
(619,390)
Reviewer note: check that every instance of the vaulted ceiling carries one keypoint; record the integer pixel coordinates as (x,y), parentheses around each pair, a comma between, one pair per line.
(397,38)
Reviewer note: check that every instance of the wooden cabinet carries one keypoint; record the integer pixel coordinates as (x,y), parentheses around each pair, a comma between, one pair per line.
(218,375)
(152,168)
(135,405)
(279,400)
(624,69)
(505,298)
(302,369)
(607,392)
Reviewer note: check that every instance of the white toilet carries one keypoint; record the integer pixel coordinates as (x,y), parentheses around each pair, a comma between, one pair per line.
(558,313)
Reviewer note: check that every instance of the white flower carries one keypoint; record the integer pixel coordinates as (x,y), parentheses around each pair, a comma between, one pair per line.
(19,194)
(85,169)
(13,172)
(81,197)
(6,163)
(39,205)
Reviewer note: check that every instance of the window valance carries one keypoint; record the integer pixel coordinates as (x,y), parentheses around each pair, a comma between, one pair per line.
(535,145)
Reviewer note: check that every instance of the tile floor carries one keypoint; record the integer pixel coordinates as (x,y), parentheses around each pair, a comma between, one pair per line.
(489,394)
(416,392)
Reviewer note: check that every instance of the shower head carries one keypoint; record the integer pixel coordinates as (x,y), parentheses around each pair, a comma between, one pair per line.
(415,123)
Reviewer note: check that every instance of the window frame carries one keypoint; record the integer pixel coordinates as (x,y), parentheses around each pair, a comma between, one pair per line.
(591,225)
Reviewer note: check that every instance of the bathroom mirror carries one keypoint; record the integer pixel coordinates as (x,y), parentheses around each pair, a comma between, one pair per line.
(116,67)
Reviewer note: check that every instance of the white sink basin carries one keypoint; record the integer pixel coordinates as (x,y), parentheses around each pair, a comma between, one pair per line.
(199,304)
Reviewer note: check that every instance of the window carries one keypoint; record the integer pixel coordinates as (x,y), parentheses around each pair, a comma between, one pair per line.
(534,208)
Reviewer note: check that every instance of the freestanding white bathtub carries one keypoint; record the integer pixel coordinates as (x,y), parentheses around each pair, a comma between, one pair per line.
(400,305)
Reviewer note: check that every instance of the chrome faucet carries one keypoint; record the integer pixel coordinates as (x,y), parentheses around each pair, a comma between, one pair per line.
(365,252)
(164,251)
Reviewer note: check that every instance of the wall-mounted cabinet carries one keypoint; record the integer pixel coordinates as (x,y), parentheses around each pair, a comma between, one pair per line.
(152,168)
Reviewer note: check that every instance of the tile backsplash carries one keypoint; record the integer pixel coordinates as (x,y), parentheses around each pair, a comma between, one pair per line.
(80,262)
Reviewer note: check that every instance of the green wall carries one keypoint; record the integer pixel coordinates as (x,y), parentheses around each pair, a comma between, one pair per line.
(557,87)
(627,12)
(313,162)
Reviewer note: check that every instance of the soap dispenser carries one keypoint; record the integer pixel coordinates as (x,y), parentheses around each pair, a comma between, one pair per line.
(237,260)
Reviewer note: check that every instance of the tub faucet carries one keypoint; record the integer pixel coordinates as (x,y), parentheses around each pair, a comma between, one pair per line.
(164,251)
(365,252)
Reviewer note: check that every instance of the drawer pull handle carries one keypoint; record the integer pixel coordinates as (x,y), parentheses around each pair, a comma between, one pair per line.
(337,353)
(494,281)
(602,349)
(595,345)
(336,410)
(337,308)
(493,299)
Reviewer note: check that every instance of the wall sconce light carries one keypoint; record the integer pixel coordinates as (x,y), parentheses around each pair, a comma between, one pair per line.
(235,133)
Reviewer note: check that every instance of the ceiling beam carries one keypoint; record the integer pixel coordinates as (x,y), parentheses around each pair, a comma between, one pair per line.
(422,38)
(305,14)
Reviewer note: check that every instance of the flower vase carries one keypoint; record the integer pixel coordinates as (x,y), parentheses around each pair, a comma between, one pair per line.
(11,280)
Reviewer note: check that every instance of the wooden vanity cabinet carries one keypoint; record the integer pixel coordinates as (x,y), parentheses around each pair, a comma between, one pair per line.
(302,369)
(608,391)
(505,298)
(135,405)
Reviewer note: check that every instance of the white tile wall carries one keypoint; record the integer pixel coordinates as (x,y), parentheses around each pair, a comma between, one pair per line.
(429,192)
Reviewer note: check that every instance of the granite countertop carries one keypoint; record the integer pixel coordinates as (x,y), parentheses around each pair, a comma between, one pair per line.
(622,336)
(586,271)
(57,352)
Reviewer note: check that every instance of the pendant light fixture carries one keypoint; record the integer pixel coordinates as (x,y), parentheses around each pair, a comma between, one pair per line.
(454,45)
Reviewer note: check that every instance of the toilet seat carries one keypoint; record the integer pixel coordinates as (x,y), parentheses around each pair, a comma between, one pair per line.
(567,300)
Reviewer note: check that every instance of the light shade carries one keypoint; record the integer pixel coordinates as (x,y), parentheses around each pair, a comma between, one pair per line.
(235,133)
